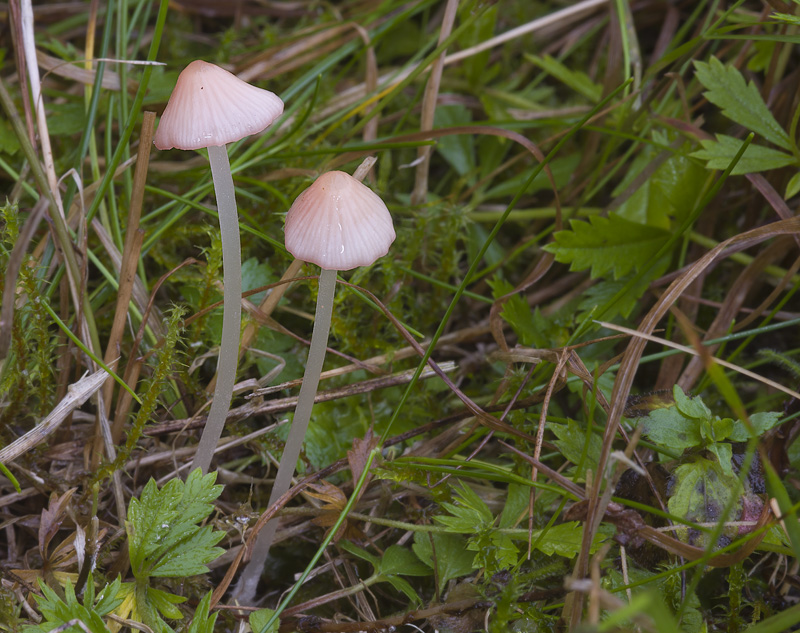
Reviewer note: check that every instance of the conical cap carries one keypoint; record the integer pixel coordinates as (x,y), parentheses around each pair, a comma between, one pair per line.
(210,106)
(338,223)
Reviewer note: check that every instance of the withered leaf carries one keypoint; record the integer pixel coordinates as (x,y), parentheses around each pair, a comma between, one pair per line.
(52,518)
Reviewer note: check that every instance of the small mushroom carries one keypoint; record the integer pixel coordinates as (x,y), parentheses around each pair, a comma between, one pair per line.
(211,107)
(338,223)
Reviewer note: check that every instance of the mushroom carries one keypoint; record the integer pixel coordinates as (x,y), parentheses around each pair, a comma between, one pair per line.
(211,107)
(338,223)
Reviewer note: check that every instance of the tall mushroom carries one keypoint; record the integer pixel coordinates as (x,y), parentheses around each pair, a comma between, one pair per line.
(338,223)
(211,107)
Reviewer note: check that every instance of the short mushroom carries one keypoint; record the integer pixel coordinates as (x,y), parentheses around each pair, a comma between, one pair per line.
(338,223)
(211,107)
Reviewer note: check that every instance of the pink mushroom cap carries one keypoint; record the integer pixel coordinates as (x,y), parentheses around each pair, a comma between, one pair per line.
(210,106)
(338,223)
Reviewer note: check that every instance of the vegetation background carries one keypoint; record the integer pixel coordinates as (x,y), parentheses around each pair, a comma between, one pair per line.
(566,399)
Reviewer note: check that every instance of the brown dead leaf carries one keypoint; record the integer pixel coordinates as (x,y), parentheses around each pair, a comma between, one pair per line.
(334,502)
(52,518)
(358,455)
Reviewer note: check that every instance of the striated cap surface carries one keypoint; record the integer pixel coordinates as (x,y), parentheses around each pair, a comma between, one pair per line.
(338,223)
(210,106)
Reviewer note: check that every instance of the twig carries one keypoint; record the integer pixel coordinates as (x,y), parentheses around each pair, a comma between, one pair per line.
(77,394)
(130,251)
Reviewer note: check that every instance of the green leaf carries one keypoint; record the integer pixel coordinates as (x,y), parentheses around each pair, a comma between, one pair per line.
(189,557)
(563,539)
(469,514)
(572,441)
(517,499)
(670,193)
(740,102)
(690,407)
(724,452)
(599,296)
(607,244)
(720,153)
(577,80)
(203,623)
(452,560)
(165,603)
(761,423)
(258,621)
(479,31)
(8,140)
(495,551)
(702,490)
(793,187)
(562,168)
(163,536)
(57,612)
(361,553)
(256,273)
(403,585)
(457,149)
(671,429)
(398,560)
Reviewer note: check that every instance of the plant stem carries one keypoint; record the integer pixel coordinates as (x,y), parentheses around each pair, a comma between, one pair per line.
(245,592)
(232,306)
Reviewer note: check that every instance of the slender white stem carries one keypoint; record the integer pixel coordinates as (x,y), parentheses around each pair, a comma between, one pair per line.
(248,583)
(232,306)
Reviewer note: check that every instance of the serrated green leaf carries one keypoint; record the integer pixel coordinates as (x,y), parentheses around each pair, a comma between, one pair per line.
(531,327)
(739,101)
(495,551)
(149,520)
(469,514)
(452,560)
(57,612)
(720,153)
(189,557)
(607,244)
(761,423)
(398,560)
(109,598)
(163,536)
(600,295)
(258,621)
(463,520)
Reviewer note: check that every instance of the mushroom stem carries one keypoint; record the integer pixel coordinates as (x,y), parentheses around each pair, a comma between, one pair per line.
(248,583)
(232,305)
